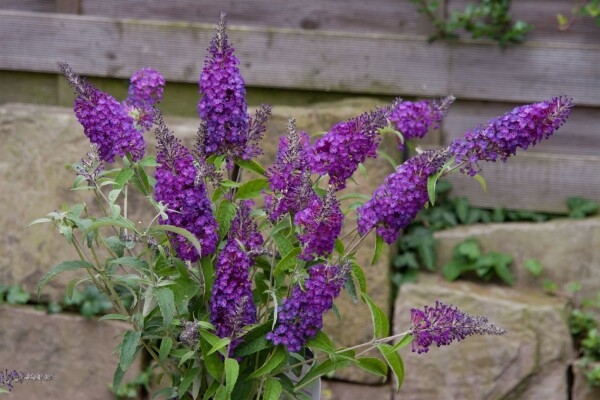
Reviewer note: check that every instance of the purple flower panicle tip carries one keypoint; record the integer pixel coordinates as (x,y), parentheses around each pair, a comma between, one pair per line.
(519,129)
(9,378)
(444,324)
(346,145)
(413,119)
(401,196)
(230,130)
(300,316)
(322,223)
(186,199)
(231,305)
(105,121)
(145,90)
(289,177)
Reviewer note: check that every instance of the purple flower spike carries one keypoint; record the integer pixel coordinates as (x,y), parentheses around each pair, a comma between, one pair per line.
(105,122)
(186,200)
(346,145)
(300,316)
(230,131)
(322,223)
(9,378)
(401,196)
(443,324)
(413,119)
(289,177)
(501,137)
(145,90)
(231,304)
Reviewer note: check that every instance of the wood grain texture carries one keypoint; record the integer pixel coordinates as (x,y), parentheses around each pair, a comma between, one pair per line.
(28,5)
(579,136)
(315,60)
(533,181)
(67,6)
(383,16)
(542,14)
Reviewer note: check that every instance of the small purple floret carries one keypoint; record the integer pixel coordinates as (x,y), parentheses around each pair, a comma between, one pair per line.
(145,90)
(413,119)
(231,304)
(186,199)
(321,224)
(519,129)
(401,196)
(339,152)
(443,324)
(300,316)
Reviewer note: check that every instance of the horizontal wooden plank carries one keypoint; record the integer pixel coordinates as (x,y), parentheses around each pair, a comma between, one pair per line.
(317,60)
(383,16)
(542,14)
(579,136)
(533,181)
(28,5)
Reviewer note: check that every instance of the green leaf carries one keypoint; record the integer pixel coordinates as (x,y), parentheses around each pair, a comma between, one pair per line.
(251,189)
(533,266)
(354,196)
(40,221)
(275,359)
(186,357)
(166,303)
(407,339)
(123,177)
(505,274)
(62,267)
(117,378)
(225,214)
(394,360)
(360,276)
(188,378)
(180,231)
(132,262)
(2,390)
(381,325)
(431,182)
(273,389)
(373,365)
(232,371)
(580,208)
(16,295)
(220,346)
(453,269)
(378,249)
(387,157)
(283,244)
(214,364)
(165,348)
(119,317)
(322,342)
(148,161)
(252,166)
(481,181)
(112,221)
(230,184)
(129,349)
(468,249)
(288,261)
(319,370)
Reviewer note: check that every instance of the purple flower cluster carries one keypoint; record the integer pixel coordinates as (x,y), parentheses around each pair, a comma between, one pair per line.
(346,145)
(105,121)
(501,137)
(186,200)
(413,119)
(403,193)
(300,316)
(231,304)
(289,177)
(321,223)
(9,378)
(145,90)
(443,324)
(230,130)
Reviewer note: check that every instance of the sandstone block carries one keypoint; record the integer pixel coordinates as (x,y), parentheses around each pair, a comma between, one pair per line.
(336,390)
(77,351)
(529,362)
(569,250)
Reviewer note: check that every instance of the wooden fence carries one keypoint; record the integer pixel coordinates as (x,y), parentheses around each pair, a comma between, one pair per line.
(364,47)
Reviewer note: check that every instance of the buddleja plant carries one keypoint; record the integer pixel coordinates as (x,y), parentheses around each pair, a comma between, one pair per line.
(226,297)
